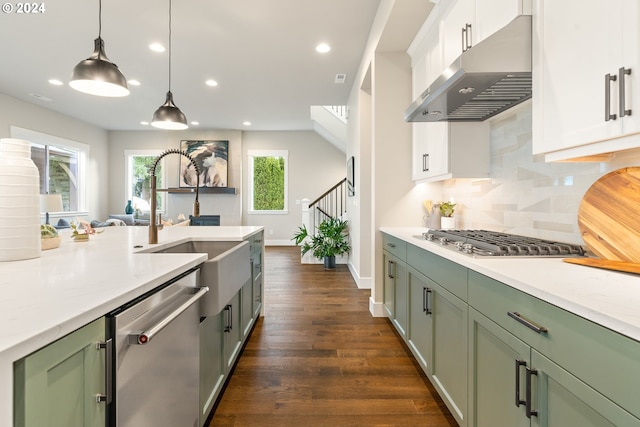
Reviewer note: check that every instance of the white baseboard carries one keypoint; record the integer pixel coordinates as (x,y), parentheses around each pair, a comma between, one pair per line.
(362,282)
(275,242)
(376,308)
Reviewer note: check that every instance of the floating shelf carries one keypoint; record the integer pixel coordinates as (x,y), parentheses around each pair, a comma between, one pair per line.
(201,190)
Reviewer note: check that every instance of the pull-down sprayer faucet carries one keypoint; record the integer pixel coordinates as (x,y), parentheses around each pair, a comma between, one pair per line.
(153,226)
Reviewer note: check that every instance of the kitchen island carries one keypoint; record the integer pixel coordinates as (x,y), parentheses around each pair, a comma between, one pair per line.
(46,298)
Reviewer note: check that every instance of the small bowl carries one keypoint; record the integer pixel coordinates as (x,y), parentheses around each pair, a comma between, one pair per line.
(50,243)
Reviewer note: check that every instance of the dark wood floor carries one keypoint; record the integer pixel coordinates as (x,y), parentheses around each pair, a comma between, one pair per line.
(318,358)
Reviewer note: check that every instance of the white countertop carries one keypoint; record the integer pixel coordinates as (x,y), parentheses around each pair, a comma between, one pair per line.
(45,298)
(609,298)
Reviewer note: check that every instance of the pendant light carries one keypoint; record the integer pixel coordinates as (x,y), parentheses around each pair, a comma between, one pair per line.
(97,75)
(168,116)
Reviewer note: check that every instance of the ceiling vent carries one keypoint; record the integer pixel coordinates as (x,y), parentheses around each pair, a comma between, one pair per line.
(340,78)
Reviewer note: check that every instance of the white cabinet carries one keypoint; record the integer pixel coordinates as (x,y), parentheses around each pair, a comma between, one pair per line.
(581,57)
(468,22)
(450,150)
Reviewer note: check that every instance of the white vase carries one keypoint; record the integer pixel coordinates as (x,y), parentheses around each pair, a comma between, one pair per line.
(19,202)
(447,222)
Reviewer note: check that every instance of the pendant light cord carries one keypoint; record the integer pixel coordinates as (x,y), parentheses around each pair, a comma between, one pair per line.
(100,27)
(169,45)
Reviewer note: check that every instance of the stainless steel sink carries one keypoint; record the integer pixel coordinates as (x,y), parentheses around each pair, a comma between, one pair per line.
(225,271)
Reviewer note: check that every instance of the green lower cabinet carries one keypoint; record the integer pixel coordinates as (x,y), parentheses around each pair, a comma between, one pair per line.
(564,400)
(212,366)
(256,268)
(396,292)
(232,331)
(247,307)
(493,354)
(449,366)
(420,320)
(57,386)
(389,285)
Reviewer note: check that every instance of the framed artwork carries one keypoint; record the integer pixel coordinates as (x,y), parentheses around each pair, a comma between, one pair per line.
(211,158)
(351,184)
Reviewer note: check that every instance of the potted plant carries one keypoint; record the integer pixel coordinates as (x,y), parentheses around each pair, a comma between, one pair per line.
(331,239)
(447,221)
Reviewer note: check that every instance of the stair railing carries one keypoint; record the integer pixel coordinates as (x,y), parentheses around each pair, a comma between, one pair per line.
(331,204)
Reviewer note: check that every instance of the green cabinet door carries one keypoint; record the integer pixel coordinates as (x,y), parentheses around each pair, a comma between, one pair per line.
(247,307)
(401,286)
(232,330)
(256,268)
(420,319)
(212,366)
(493,355)
(389,285)
(564,400)
(449,366)
(57,386)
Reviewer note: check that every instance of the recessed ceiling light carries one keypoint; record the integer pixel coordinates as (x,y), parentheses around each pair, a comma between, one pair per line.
(55,82)
(211,83)
(156,47)
(323,48)
(195,123)
(246,123)
(133,82)
(144,123)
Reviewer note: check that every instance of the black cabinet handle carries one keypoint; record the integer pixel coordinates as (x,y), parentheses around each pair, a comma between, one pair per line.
(425,162)
(428,307)
(526,322)
(389,264)
(621,91)
(519,364)
(608,78)
(529,412)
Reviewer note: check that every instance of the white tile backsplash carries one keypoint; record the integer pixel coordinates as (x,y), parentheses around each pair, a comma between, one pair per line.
(526,195)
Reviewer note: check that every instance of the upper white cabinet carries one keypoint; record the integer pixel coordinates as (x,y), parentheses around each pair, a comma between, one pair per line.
(468,22)
(585,77)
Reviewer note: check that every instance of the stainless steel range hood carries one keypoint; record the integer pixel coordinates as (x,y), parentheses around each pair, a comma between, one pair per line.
(485,80)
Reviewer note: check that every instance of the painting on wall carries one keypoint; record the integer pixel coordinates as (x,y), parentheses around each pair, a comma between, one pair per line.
(211,158)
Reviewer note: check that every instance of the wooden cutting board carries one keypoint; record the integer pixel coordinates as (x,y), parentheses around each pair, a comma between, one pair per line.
(627,267)
(609,216)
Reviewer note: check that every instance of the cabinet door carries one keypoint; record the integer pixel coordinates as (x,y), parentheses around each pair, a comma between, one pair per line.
(570,82)
(493,354)
(631,54)
(492,15)
(449,367)
(232,330)
(212,366)
(563,400)
(256,267)
(58,385)
(401,318)
(437,148)
(389,285)
(247,307)
(420,319)
(460,17)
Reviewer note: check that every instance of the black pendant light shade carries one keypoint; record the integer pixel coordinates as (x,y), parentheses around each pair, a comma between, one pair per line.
(168,116)
(97,75)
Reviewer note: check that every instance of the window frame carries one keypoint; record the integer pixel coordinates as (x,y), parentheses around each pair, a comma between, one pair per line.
(251,154)
(82,152)
(128,184)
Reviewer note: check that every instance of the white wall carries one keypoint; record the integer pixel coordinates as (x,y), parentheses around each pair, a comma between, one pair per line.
(315,165)
(18,113)
(228,206)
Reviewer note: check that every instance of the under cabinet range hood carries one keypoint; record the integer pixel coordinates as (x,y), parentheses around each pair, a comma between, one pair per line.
(485,80)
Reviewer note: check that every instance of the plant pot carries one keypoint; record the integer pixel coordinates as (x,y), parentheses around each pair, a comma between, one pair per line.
(329,262)
(448,222)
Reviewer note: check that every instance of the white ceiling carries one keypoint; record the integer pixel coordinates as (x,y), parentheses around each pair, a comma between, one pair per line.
(261,52)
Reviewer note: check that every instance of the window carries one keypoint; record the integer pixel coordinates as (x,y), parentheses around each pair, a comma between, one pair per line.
(61,164)
(138,181)
(267,179)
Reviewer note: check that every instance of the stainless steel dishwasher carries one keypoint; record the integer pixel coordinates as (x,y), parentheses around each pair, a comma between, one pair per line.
(156,349)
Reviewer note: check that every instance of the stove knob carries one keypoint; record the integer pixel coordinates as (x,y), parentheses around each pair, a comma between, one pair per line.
(443,241)
(467,248)
(460,246)
(429,236)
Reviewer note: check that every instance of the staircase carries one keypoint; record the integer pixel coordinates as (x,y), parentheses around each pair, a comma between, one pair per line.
(330,122)
(331,204)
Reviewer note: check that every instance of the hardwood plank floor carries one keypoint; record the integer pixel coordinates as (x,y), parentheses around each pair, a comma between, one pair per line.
(318,358)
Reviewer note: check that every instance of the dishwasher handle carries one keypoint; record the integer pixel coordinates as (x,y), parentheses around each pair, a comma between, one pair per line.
(146,336)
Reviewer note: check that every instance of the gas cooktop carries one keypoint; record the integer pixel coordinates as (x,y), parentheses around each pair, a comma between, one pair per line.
(484,243)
